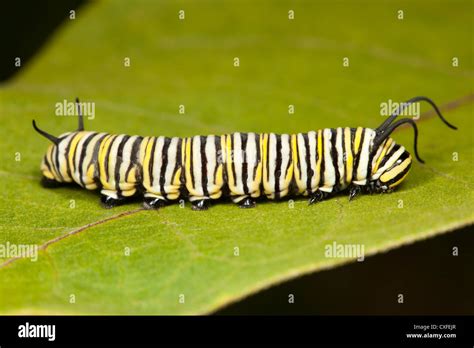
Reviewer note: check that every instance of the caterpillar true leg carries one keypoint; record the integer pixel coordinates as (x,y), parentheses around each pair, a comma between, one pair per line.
(247,203)
(201,204)
(354,191)
(319,196)
(110,202)
(153,203)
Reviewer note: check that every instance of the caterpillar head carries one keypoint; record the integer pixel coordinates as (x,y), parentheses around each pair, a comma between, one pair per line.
(391,162)
(390,168)
(54,165)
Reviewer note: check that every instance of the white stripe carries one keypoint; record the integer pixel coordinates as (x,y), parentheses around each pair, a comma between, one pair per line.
(113,157)
(390,162)
(126,160)
(329,170)
(251,157)
(285,160)
(302,160)
(197,165)
(210,150)
(79,150)
(88,158)
(172,157)
(62,158)
(340,157)
(157,158)
(365,154)
(271,161)
(238,161)
(313,151)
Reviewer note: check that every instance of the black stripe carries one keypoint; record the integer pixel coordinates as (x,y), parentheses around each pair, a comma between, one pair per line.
(309,170)
(134,157)
(204,179)
(56,160)
(323,165)
(257,157)
(106,159)
(290,158)
(232,163)
(298,156)
(95,159)
(278,161)
(399,176)
(151,164)
(243,140)
(74,155)
(217,144)
(83,155)
(370,159)
(389,154)
(164,165)
(118,162)
(68,148)
(179,163)
(357,159)
(334,156)
(46,162)
(344,155)
(267,166)
(191,162)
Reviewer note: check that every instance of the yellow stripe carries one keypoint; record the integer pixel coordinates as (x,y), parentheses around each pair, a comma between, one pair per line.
(389,175)
(104,146)
(349,157)
(220,162)
(289,175)
(90,176)
(75,140)
(294,150)
(113,164)
(177,177)
(382,154)
(358,137)
(49,155)
(131,175)
(48,174)
(128,193)
(219,180)
(189,181)
(320,154)
(264,140)
(230,161)
(399,181)
(146,163)
(63,166)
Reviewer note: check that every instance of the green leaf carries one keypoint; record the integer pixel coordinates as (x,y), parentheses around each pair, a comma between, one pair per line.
(177,251)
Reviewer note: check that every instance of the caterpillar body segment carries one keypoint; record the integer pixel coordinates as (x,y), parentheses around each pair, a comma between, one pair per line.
(242,166)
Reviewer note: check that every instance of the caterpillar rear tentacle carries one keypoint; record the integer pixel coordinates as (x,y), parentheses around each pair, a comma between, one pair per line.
(242,166)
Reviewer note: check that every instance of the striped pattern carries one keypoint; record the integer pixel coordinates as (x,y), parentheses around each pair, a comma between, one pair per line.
(243,165)
(204,168)
(161,167)
(277,165)
(239,165)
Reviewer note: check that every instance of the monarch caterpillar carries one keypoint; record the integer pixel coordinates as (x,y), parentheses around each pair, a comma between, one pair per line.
(244,166)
